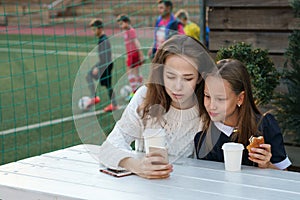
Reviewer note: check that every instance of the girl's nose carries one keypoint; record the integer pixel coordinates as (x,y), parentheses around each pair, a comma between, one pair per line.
(212,104)
(178,84)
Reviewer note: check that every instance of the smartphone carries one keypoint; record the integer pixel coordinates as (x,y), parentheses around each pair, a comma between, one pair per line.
(115,172)
(160,151)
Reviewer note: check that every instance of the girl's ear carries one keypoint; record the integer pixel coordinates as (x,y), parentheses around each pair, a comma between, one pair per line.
(241,98)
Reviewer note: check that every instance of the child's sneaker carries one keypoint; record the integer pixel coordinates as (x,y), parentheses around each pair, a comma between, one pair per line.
(110,108)
(93,101)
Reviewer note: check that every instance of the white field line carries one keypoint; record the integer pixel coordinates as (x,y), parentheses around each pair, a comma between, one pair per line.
(52,44)
(53,52)
(48,52)
(56,121)
(48,44)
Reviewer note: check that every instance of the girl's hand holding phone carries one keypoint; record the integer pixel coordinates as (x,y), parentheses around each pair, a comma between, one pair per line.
(155,165)
(152,166)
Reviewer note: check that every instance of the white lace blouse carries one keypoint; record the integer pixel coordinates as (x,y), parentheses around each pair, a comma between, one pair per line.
(180,127)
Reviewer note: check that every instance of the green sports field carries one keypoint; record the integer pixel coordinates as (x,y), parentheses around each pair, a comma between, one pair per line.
(36,84)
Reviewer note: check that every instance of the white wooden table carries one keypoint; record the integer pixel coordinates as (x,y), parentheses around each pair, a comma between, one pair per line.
(73,173)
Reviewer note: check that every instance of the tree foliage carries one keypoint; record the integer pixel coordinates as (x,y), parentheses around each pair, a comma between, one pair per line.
(264,76)
(288,103)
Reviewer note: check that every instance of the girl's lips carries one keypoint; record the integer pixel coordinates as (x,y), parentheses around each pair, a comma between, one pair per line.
(177,96)
(213,114)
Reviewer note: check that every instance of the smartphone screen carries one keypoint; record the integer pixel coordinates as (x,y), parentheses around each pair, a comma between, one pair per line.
(115,172)
(160,151)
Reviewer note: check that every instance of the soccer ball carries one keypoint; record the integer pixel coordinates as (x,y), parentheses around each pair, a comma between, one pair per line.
(125,91)
(84,102)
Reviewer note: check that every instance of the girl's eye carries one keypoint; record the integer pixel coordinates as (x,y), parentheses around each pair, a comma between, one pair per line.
(170,77)
(189,79)
(221,99)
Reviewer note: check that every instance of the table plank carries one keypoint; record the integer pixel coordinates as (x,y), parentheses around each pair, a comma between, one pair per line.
(59,190)
(119,190)
(245,178)
(13,193)
(73,155)
(245,169)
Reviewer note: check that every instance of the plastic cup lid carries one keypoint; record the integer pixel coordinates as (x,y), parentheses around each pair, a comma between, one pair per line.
(232,146)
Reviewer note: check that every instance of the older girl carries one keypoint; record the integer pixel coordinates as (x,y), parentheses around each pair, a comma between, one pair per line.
(169,102)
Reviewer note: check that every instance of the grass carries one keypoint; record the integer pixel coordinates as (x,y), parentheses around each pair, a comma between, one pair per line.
(36,85)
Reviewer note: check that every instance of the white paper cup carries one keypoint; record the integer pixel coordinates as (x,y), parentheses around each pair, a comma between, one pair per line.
(154,137)
(233,153)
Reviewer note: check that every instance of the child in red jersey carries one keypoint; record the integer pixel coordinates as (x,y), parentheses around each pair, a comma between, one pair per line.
(135,55)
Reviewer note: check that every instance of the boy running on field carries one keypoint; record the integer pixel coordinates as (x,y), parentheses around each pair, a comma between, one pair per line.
(102,70)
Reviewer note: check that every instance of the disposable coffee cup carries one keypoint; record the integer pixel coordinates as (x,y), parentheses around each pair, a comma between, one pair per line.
(233,153)
(154,138)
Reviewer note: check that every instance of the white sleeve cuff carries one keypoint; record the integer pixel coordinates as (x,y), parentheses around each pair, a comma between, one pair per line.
(110,156)
(283,164)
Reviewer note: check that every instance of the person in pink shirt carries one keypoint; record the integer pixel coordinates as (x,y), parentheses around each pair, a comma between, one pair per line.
(166,25)
(135,57)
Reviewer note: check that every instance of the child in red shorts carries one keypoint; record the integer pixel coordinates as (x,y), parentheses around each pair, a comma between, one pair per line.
(135,55)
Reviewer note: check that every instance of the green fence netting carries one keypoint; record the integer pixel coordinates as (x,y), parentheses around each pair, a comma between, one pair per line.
(43,44)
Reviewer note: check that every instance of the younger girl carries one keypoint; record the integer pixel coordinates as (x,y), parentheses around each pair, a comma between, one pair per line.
(231,115)
(167,105)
